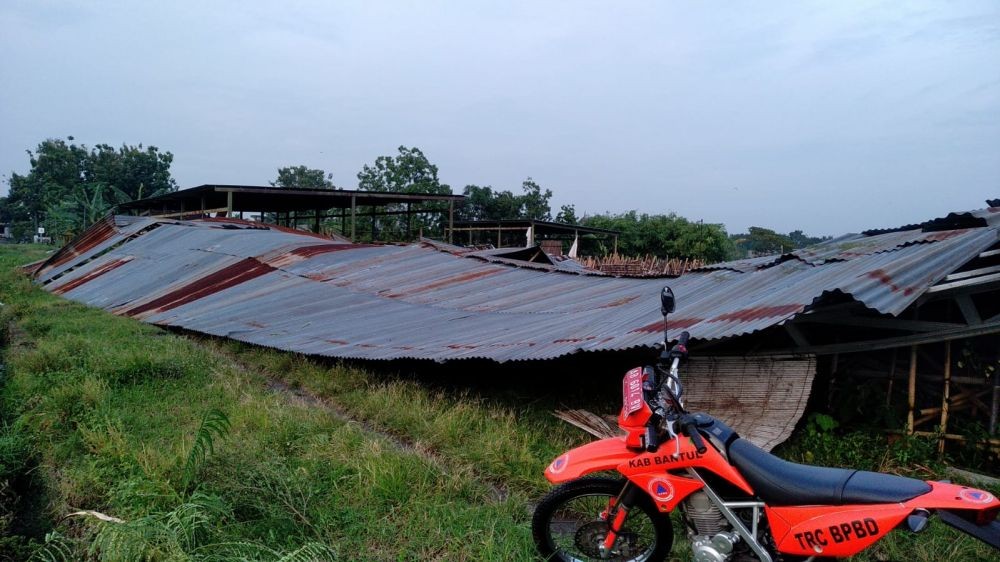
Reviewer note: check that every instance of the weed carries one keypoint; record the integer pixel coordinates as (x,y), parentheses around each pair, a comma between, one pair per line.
(214,425)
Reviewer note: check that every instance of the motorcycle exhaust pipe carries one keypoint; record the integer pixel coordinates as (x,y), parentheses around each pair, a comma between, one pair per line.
(917,521)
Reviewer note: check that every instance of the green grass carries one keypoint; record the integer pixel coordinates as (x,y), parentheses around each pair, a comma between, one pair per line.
(102,413)
(107,410)
(504,442)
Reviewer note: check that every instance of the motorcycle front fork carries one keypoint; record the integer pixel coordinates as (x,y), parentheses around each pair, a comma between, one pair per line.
(615,516)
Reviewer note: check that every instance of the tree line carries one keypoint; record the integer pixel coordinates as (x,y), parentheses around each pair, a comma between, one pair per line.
(70,186)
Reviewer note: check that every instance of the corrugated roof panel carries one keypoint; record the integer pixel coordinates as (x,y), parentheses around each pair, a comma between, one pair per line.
(291,291)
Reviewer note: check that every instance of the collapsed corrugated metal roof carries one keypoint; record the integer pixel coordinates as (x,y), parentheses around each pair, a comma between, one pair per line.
(295,291)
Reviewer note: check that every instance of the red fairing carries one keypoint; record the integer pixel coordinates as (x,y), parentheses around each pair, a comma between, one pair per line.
(663,460)
(635,412)
(953,496)
(844,530)
(666,490)
(832,530)
(605,454)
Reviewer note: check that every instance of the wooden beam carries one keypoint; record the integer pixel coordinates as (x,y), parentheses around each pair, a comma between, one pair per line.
(972,273)
(935,378)
(993,443)
(187,213)
(982,280)
(796,334)
(986,328)
(880,323)
(968,310)
(487,228)
(990,253)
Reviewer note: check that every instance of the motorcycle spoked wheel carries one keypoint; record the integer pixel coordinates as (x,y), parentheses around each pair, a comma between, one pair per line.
(567,525)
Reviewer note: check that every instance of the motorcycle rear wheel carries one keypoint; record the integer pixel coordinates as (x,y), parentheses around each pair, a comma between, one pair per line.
(567,525)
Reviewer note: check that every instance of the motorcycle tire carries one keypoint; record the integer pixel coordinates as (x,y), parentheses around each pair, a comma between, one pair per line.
(573,509)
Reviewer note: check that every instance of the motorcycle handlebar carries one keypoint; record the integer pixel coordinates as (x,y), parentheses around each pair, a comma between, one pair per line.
(683,339)
(691,430)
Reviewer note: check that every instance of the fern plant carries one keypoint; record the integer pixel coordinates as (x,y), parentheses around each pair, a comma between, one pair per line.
(56,548)
(214,425)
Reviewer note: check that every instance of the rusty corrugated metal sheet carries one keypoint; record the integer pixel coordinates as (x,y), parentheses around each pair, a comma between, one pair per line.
(293,291)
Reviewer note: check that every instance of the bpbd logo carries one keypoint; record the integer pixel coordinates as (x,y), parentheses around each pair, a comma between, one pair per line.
(559,464)
(661,489)
(976,496)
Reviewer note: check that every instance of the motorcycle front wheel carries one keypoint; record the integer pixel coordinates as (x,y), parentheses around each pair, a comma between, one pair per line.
(569,524)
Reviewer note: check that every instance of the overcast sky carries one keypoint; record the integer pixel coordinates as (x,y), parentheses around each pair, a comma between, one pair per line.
(831,117)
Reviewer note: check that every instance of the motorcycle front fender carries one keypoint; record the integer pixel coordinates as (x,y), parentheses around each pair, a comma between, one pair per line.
(606,454)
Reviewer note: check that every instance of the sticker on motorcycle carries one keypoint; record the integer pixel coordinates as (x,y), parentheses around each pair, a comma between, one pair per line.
(976,496)
(559,464)
(661,489)
(818,538)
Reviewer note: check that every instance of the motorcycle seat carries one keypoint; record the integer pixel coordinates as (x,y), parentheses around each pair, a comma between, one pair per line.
(780,482)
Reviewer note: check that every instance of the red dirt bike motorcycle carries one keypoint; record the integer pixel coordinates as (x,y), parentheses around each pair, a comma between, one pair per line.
(738,501)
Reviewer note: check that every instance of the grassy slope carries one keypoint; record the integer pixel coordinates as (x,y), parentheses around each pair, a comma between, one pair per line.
(111,407)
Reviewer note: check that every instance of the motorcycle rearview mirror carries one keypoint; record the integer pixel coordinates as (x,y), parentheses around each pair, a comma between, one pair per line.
(667,301)
(667,305)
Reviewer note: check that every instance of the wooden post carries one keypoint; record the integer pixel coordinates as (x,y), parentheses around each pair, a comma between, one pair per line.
(354,209)
(451,221)
(946,395)
(911,390)
(498,237)
(316,222)
(995,406)
(892,376)
(229,203)
(834,365)
(409,222)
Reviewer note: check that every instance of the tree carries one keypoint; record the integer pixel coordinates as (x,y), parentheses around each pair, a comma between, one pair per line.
(483,203)
(407,172)
(761,241)
(665,236)
(135,171)
(764,241)
(801,240)
(535,202)
(303,177)
(567,214)
(69,185)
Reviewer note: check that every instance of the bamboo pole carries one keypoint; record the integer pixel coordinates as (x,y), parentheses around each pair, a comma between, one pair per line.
(946,396)
(992,443)
(995,405)
(892,376)
(911,390)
